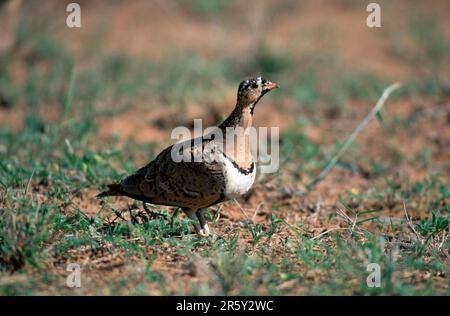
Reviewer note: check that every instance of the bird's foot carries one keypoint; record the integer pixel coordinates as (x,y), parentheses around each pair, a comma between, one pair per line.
(204,231)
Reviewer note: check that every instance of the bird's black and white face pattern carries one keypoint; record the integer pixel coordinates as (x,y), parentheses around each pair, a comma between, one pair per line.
(251,90)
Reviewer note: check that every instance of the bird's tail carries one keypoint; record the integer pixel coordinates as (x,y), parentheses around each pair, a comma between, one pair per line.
(113,189)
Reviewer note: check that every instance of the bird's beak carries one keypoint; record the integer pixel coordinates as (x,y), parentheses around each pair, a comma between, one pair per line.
(268,86)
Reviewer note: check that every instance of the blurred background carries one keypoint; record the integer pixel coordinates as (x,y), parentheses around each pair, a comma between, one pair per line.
(80,107)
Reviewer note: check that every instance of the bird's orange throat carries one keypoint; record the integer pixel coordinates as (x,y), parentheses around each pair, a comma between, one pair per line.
(247,118)
(237,145)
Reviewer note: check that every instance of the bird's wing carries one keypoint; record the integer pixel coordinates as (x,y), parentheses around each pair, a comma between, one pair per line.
(186,183)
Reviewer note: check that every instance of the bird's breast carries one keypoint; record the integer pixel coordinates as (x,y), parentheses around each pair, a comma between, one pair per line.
(238,180)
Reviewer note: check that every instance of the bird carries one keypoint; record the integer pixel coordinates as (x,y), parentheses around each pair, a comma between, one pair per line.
(203,171)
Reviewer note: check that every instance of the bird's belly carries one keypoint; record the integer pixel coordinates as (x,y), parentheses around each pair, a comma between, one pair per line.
(237,183)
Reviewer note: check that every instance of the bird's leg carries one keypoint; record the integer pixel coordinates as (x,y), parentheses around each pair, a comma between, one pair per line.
(174,215)
(153,214)
(204,229)
(192,215)
(149,213)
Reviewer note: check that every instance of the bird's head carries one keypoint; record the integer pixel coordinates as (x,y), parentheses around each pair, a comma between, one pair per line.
(252,90)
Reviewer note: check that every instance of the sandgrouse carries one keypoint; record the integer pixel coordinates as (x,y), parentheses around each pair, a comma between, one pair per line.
(202,171)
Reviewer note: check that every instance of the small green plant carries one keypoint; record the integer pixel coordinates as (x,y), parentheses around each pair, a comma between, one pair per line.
(434,225)
(24,228)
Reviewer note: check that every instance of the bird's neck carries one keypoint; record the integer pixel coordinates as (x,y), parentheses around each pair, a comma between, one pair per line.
(241,116)
(239,122)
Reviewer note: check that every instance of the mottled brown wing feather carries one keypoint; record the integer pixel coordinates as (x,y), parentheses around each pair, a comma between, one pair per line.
(184,184)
